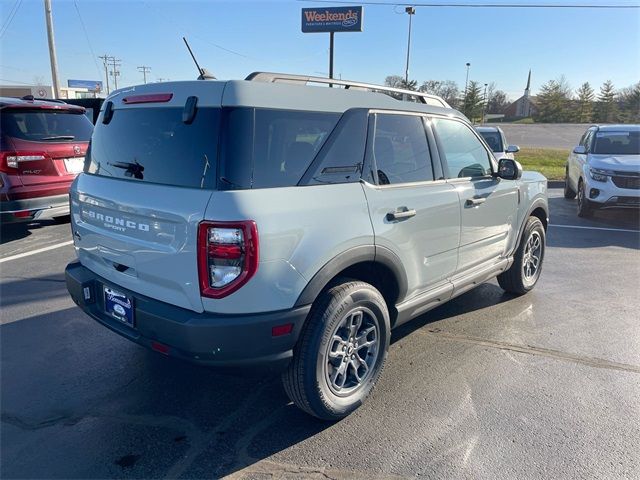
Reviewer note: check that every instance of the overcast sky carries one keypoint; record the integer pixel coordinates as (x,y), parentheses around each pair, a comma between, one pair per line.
(235,38)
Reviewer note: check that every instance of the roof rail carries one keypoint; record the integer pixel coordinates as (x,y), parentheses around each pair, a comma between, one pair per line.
(347,84)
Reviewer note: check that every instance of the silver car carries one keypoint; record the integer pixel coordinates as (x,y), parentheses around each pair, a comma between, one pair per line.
(266,223)
(494,136)
(603,171)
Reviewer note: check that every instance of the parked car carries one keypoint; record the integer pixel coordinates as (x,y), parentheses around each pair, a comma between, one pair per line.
(91,106)
(42,149)
(264,224)
(494,136)
(603,171)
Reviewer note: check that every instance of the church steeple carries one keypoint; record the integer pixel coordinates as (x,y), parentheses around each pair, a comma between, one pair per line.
(528,88)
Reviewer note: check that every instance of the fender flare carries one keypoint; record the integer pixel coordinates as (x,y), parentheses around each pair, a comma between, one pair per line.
(539,202)
(348,258)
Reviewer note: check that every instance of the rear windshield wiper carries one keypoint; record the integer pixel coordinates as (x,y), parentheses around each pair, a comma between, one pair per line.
(59,137)
(131,169)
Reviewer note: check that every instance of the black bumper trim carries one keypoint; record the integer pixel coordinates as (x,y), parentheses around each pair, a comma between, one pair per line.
(221,340)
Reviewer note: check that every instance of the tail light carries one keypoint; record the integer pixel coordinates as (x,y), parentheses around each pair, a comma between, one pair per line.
(10,160)
(227,256)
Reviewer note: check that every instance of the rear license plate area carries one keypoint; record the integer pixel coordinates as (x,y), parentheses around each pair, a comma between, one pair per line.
(119,306)
(74,165)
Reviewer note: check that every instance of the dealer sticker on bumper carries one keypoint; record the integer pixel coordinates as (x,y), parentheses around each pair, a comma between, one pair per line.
(119,306)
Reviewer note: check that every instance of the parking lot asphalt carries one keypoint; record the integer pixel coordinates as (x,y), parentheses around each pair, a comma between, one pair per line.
(486,386)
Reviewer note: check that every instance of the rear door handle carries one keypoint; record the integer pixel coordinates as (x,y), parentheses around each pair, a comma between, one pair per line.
(474,202)
(401,214)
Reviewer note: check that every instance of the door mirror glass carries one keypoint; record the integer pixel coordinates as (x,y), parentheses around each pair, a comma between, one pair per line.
(509,169)
(580,150)
(512,149)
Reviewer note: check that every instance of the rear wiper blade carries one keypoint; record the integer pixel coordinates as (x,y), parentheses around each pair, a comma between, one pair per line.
(59,137)
(131,169)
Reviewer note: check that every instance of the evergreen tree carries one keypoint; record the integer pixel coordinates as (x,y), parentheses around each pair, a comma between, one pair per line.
(472,101)
(554,102)
(607,109)
(585,103)
(630,104)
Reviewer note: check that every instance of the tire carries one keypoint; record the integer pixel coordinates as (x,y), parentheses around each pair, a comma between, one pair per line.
(312,380)
(584,206)
(520,279)
(569,192)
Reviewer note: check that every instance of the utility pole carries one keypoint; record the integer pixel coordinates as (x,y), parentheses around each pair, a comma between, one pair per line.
(411,11)
(52,49)
(144,69)
(105,61)
(115,63)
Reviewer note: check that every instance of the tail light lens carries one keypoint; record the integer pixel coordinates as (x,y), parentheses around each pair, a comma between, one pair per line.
(227,256)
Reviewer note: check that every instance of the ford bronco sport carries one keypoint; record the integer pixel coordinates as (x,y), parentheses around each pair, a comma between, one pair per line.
(263,223)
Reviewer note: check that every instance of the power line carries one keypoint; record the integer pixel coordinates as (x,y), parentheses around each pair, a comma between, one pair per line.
(486,5)
(86,35)
(10,17)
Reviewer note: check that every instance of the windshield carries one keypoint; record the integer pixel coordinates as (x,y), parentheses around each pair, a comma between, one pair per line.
(617,143)
(494,140)
(46,125)
(155,145)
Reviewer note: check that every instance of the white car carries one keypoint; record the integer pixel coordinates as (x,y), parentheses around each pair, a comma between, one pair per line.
(494,136)
(604,169)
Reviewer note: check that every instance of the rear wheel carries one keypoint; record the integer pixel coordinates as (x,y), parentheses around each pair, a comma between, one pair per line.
(523,275)
(341,351)
(584,206)
(568,191)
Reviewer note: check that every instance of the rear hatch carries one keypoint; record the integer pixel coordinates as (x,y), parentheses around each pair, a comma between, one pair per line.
(45,146)
(149,175)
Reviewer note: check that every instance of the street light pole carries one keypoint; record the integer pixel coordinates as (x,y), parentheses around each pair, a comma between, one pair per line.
(484,104)
(466,82)
(411,11)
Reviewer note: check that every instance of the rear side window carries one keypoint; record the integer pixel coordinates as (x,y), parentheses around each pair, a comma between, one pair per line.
(463,152)
(154,145)
(46,125)
(400,149)
(270,148)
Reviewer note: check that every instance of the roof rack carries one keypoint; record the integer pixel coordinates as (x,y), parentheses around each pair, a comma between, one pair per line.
(347,84)
(31,98)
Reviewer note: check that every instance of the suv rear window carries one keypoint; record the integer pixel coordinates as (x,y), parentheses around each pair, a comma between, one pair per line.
(155,145)
(46,125)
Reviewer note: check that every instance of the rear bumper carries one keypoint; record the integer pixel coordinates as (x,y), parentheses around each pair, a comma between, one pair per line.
(229,341)
(30,209)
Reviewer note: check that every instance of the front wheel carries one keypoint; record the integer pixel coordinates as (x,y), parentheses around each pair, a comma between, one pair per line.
(523,275)
(341,351)
(585,209)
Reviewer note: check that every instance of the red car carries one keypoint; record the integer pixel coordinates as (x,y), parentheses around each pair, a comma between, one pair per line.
(42,148)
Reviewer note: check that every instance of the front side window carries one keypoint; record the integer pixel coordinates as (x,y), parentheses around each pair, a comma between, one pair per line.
(400,150)
(463,152)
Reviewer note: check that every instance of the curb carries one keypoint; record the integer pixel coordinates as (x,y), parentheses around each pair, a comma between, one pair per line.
(555,184)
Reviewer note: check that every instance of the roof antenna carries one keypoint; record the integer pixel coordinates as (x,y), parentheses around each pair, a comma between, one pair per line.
(204,73)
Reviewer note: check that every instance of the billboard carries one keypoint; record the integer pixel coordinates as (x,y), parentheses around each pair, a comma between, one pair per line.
(332,19)
(91,85)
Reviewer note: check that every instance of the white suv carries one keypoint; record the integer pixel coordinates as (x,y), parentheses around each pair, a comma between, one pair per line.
(604,169)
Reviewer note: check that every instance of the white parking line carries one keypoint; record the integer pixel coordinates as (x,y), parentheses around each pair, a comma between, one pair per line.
(33,252)
(595,228)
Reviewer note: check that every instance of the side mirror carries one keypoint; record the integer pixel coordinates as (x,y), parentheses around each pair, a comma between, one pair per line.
(509,169)
(512,149)
(580,150)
